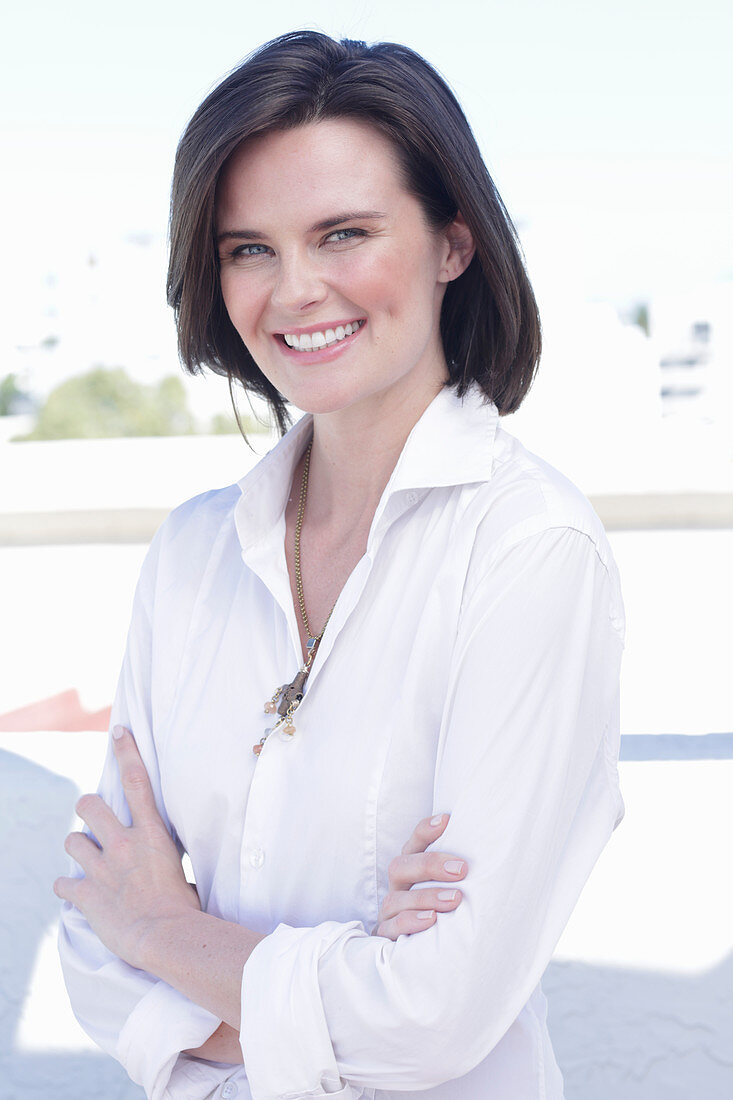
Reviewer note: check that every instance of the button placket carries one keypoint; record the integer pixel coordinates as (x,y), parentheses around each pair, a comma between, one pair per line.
(254,840)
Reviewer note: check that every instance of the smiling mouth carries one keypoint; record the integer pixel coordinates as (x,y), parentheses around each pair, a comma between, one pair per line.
(316,341)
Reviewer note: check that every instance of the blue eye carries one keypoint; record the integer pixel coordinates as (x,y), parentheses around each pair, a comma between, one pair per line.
(345,234)
(249,250)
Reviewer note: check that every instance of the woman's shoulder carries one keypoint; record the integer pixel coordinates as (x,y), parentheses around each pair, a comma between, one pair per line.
(190,533)
(204,513)
(527,508)
(526,496)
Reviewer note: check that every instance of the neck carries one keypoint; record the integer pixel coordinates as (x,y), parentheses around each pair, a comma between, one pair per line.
(354,453)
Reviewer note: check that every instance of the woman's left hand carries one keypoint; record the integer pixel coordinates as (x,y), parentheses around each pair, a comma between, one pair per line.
(133,876)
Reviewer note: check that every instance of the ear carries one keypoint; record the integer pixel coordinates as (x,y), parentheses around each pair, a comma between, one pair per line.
(460,249)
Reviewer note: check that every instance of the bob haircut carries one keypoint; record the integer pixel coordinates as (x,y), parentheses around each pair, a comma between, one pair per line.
(489,323)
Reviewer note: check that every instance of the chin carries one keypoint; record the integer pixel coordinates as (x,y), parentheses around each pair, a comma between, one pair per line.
(328,398)
(320,406)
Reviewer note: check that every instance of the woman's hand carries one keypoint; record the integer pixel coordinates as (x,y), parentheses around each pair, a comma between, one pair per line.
(405,911)
(133,876)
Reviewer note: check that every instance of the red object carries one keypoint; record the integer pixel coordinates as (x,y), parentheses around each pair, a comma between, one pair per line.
(60,712)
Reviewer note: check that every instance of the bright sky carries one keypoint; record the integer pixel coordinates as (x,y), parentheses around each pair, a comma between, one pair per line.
(606,125)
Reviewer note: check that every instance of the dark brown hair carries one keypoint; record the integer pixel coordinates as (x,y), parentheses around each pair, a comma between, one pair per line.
(489,322)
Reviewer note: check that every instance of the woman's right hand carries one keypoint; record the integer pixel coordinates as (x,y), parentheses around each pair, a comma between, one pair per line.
(405,911)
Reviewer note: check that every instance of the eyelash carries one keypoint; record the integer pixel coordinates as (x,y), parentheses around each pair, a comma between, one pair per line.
(240,250)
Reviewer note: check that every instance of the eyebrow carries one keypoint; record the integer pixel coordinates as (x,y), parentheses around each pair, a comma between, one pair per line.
(319,227)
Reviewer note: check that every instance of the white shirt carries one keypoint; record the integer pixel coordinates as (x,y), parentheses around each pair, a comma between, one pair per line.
(471,665)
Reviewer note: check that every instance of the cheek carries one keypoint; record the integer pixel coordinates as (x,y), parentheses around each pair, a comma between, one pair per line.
(360,279)
(389,283)
(231,299)
(244,300)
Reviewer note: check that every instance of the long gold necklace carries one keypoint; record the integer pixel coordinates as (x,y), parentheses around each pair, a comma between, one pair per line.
(286,699)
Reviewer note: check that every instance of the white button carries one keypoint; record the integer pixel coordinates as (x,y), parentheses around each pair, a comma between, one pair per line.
(230,1089)
(256,857)
(412,498)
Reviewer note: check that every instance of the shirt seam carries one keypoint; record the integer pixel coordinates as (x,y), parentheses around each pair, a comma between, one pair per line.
(511,540)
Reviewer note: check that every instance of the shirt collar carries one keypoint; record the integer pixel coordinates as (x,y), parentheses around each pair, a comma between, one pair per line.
(451,444)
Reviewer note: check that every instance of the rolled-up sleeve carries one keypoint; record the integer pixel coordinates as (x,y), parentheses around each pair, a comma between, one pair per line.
(527,768)
(141,1021)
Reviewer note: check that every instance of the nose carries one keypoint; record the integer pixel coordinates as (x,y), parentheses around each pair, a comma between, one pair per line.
(299,284)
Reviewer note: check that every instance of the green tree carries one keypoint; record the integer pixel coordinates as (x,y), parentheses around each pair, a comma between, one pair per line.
(225,424)
(640,316)
(10,394)
(106,402)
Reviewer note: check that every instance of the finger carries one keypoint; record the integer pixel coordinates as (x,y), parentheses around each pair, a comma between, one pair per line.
(406,924)
(426,831)
(406,871)
(101,820)
(81,848)
(67,889)
(134,777)
(435,897)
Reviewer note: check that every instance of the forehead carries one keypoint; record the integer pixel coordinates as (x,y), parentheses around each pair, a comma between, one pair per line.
(306,172)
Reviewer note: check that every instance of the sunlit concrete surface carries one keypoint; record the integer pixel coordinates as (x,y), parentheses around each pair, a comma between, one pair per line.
(43,1051)
(678,593)
(71,474)
(641,988)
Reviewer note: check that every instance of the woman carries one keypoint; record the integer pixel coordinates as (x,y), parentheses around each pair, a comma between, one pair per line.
(436,638)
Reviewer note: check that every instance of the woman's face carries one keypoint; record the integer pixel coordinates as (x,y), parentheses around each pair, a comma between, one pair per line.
(329,271)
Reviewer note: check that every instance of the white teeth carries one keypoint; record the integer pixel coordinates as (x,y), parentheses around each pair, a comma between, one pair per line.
(313,341)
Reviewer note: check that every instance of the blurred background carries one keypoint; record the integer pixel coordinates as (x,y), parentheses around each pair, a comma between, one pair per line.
(606,127)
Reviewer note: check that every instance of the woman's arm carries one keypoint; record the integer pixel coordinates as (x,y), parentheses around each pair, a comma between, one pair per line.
(136,900)
(404,911)
(135,897)
(128,1012)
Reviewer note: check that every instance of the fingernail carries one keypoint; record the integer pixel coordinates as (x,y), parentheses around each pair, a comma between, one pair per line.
(454,866)
(426,914)
(436,820)
(118,732)
(447,895)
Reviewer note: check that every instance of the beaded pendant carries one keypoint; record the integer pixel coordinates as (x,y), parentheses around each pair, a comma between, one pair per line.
(287,698)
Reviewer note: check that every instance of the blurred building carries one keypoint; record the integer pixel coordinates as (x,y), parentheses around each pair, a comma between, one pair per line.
(693,336)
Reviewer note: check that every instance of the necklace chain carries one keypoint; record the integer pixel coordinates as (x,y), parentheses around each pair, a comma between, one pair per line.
(298,527)
(286,699)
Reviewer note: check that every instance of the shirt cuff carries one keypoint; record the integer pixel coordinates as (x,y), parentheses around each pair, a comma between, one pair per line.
(194,1080)
(161,1025)
(284,1034)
